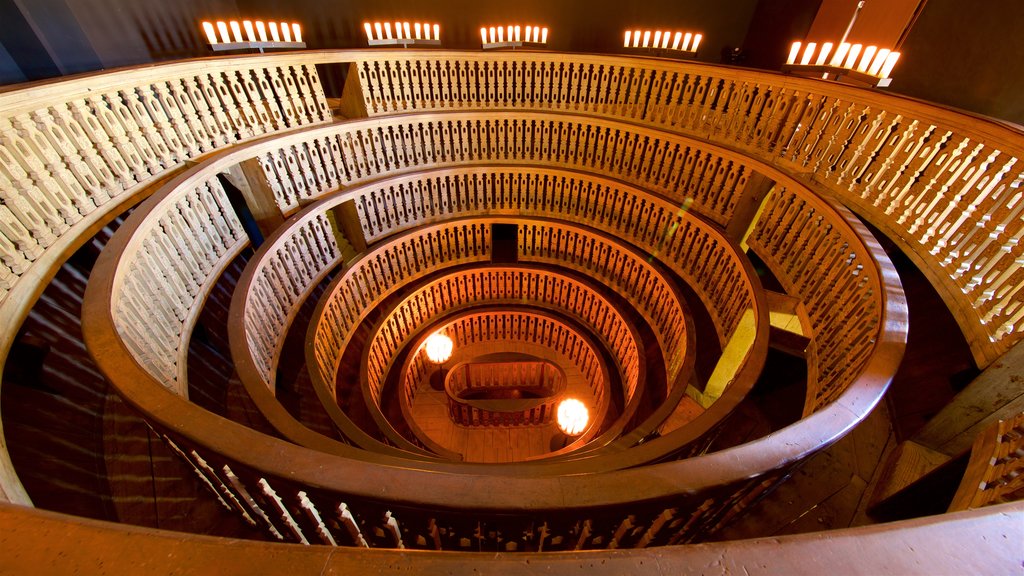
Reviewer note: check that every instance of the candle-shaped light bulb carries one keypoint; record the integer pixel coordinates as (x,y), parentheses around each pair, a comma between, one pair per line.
(865,61)
(629,34)
(387,31)
(636,38)
(236,31)
(840,55)
(876,65)
(483,34)
(826,49)
(528,36)
(211,33)
(675,41)
(851,58)
(222,28)
(261,30)
(890,62)
(379,30)
(274,35)
(250,32)
(437,31)
(419,30)
(657,39)
(426,31)
(686,41)
(647,39)
(517,33)
(369,30)
(405,28)
(501,34)
(696,41)
(297,31)
(543,35)
(286,31)
(808,53)
(493,35)
(794,51)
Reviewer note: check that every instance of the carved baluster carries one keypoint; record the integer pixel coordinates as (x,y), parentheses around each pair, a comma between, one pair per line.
(203,98)
(149,113)
(44,163)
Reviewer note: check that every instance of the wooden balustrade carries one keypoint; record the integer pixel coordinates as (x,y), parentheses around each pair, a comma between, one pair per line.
(575,248)
(805,244)
(363,285)
(944,185)
(466,381)
(512,327)
(629,275)
(488,286)
(67,148)
(166,268)
(681,500)
(995,472)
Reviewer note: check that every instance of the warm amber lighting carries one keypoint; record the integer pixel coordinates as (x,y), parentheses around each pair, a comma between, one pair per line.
(510,36)
(662,40)
(236,31)
(572,416)
(403,32)
(250,32)
(222,27)
(438,348)
(870,61)
(211,34)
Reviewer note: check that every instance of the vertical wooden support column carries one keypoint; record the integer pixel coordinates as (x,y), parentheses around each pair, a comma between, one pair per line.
(348,232)
(248,176)
(748,206)
(353,105)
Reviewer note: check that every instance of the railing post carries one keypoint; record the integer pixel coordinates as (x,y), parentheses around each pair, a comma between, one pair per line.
(353,103)
(249,177)
(748,206)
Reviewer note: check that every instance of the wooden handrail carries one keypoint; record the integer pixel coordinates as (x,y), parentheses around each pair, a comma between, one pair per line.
(518,326)
(827,410)
(710,484)
(995,471)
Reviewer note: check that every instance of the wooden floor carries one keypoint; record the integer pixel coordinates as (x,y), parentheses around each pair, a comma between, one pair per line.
(491,444)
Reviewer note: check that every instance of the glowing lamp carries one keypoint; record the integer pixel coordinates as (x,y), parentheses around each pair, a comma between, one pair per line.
(572,417)
(211,34)
(438,348)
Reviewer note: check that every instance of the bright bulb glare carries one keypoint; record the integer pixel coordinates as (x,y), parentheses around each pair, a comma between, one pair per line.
(439,348)
(572,417)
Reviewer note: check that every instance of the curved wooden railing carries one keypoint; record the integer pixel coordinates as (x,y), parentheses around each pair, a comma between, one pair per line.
(942,184)
(513,328)
(510,286)
(540,377)
(575,248)
(995,471)
(292,489)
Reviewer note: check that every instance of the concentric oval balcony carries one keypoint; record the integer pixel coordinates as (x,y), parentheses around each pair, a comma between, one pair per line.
(643,231)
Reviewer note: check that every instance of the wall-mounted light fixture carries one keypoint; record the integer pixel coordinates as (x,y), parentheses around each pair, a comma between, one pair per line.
(871,65)
(404,33)
(249,35)
(673,43)
(492,37)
